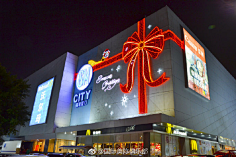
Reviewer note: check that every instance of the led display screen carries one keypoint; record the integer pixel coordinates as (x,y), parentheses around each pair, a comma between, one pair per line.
(196,66)
(41,103)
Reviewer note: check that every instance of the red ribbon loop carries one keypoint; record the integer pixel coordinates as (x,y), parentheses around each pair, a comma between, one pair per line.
(152,46)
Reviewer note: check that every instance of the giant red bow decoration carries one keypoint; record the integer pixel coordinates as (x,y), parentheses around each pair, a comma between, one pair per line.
(141,48)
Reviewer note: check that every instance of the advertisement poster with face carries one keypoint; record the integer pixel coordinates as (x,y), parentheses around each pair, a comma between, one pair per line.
(196,66)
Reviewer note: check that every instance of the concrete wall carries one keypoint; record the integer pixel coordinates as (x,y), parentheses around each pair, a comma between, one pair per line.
(63,69)
(64,105)
(215,116)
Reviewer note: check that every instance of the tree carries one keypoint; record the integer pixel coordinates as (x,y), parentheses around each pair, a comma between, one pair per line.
(13,110)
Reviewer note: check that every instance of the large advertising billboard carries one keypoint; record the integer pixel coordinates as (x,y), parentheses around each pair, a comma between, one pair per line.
(41,103)
(196,66)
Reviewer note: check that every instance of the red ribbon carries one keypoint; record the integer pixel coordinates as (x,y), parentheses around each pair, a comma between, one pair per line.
(142,48)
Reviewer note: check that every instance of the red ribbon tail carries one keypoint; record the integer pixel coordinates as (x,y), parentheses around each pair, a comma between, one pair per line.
(147,73)
(130,76)
(162,79)
(124,88)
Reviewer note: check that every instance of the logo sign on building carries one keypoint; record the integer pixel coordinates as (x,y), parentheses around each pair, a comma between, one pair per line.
(130,128)
(88,132)
(84,77)
(177,132)
(108,82)
(83,80)
(41,103)
(196,66)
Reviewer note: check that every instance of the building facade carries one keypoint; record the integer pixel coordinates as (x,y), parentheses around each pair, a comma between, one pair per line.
(153,89)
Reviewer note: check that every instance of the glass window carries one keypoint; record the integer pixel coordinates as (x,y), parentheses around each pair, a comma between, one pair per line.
(51,145)
(100,139)
(95,139)
(155,144)
(106,138)
(79,143)
(134,137)
(38,145)
(204,147)
(82,140)
(127,138)
(62,142)
(171,145)
(117,144)
(119,138)
(112,138)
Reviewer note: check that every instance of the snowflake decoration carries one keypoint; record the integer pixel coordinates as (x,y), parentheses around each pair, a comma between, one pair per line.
(159,71)
(118,68)
(149,26)
(124,100)
(111,113)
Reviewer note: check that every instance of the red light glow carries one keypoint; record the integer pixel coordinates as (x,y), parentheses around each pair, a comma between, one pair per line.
(75,76)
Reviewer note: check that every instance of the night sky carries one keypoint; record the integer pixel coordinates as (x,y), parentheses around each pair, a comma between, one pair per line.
(34,33)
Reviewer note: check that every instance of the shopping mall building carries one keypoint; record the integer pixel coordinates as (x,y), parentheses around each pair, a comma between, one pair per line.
(154,88)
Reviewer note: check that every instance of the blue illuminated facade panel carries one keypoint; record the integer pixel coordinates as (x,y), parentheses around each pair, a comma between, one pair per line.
(41,103)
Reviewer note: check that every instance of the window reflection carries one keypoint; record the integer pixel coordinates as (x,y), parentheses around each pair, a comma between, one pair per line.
(127,144)
(155,144)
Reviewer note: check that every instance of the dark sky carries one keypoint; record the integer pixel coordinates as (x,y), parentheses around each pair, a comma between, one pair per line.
(34,33)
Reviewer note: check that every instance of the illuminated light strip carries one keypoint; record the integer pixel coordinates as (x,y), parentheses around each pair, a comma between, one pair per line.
(108,62)
(141,47)
(169,35)
(142,98)
(130,76)
(75,76)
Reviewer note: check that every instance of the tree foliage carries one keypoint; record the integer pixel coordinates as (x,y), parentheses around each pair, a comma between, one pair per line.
(13,110)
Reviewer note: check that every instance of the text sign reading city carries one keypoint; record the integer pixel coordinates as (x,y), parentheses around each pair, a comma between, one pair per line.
(41,103)
(196,66)
(83,80)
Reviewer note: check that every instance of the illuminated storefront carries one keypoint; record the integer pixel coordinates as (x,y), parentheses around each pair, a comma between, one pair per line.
(158,139)
(225,143)
(116,142)
(51,145)
(153,86)
(38,145)
(63,142)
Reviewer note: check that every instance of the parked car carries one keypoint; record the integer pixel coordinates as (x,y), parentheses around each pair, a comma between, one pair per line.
(225,153)
(73,155)
(56,154)
(25,155)
(64,155)
(193,155)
